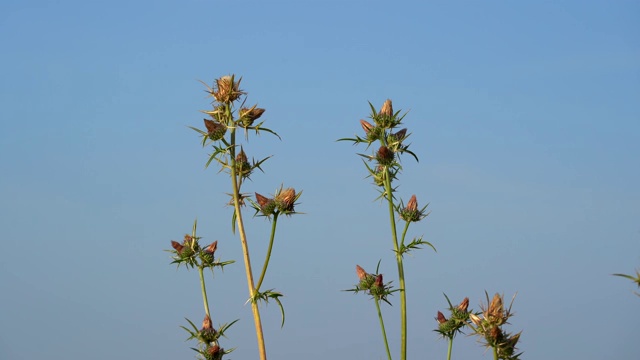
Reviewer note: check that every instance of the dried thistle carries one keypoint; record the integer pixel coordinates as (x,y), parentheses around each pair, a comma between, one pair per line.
(387,108)
(249,115)
(227,89)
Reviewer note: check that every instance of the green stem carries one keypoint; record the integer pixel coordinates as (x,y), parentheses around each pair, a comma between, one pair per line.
(450,348)
(404,233)
(384,333)
(245,246)
(266,260)
(204,291)
(396,248)
(495,353)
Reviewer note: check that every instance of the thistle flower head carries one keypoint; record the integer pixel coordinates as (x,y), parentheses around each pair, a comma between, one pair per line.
(361,273)
(227,90)
(215,130)
(285,200)
(464,305)
(440,318)
(387,108)
(385,156)
(411,213)
(249,115)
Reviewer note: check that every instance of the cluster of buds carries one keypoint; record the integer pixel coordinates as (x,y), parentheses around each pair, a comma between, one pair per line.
(190,250)
(458,319)
(372,284)
(494,316)
(283,202)
(411,213)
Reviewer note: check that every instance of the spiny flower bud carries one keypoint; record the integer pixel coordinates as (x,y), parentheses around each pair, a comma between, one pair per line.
(228,90)
(212,247)
(384,156)
(410,213)
(285,200)
(267,206)
(475,319)
(387,108)
(495,334)
(400,134)
(378,283)
(177,246)
(242,164)
(214,353)
(361,273)
(495,310)
(412,205)
(441,319)
(366,126)
(207,333)
(248,116)
(464,305)
(215,130)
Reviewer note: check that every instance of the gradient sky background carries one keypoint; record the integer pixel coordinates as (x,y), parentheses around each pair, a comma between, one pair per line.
(525,116)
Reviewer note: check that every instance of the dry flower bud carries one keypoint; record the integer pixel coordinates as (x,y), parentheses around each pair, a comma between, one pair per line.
(400,134)
(262,201)
(412,205)
(366,126)
(241,157)
(495,333)
(177,246)
(475,319)
(248,116)
(387,108)
(206,323)
(212,247)
(464,305)
(378,283)
(495,308)
(286,198)
(213,351)
(228,90)
(215,130)
(361,273)
(441,319)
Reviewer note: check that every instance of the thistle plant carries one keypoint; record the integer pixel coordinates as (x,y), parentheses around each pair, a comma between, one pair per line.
(490,328)
(448,328)
(222,127)
(383,166)
(192,254)
(373,285)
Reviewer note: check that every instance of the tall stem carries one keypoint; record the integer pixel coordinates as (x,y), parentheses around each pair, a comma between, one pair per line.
(204,291)
(245,248)
(396,248)
(495,353)
(268,257)
(450,348)
(384,333)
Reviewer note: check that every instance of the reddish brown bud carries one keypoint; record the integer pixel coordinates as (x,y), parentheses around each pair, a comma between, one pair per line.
(251,114)
(212,247)
(441,319)
(495,333)
(206,323)
(215,130)
(228,90)
(366,126)
(378,282)
(361,273)
(495,308)
(400,134)
(177,246)
(262,201)
(387,108)
(464,305)
(384,155)
(213,351)
(412,205)
(241,157)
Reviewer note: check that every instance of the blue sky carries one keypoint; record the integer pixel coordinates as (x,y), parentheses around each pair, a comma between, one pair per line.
(525,117)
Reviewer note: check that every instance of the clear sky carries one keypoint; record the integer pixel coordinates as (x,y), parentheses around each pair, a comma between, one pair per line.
(525,116)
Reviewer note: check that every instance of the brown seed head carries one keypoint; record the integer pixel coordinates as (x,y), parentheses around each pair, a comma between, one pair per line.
(286,198)
(441,319)
(177,246)
(361,273)
(366,126)
(228,90)
(464,305)
(387,108)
